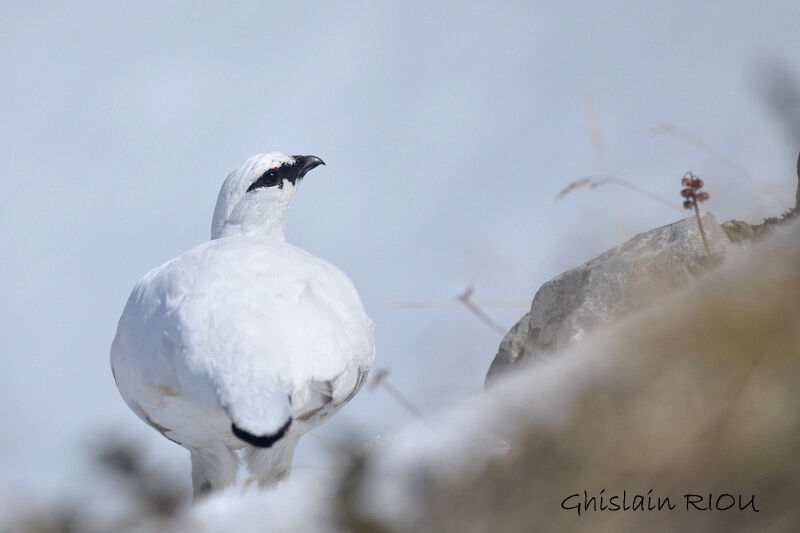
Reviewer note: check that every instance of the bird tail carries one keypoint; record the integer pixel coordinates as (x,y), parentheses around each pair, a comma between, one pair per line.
(261,441)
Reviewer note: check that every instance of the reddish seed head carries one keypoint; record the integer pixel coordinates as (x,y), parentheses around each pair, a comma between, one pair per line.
(692,191)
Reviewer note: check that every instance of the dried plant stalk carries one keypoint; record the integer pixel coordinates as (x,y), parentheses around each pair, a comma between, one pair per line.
(694,195)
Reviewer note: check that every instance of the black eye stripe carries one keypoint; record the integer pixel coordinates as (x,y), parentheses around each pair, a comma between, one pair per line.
(275,176)
(292,172)
(267,179)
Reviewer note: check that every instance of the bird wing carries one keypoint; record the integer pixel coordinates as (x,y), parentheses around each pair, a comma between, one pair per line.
(245,325)
(320,399)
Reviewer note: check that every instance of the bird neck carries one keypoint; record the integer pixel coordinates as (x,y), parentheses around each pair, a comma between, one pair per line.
(259,216)
(271,229)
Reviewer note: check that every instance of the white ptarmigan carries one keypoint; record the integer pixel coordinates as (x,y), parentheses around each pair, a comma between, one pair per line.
(245,342)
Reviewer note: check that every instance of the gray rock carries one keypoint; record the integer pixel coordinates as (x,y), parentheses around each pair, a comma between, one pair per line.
(609,287)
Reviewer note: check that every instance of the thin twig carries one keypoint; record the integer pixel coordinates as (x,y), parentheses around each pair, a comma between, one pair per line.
(483,317)
(702,231)
(380,380)
(445,304)
(328,445)
(596,136)
(599,181)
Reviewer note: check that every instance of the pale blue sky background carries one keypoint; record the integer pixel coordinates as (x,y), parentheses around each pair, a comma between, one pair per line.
(447,129)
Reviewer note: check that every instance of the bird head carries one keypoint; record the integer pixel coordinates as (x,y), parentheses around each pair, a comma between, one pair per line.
(256,197)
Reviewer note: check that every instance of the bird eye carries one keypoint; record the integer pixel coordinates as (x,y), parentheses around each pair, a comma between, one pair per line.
(270,178)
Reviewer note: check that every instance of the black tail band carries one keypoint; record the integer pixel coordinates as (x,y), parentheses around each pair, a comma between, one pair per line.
(262,441)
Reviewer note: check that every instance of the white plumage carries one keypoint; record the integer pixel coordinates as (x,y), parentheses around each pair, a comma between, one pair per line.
(244,333)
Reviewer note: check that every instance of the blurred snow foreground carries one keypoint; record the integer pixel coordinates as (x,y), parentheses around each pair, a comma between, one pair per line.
(693,394)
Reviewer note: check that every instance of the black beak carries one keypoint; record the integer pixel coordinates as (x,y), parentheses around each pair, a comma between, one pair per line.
(304,163)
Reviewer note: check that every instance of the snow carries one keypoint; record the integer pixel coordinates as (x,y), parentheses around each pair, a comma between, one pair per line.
(446,142)
(299,504)
(453,445)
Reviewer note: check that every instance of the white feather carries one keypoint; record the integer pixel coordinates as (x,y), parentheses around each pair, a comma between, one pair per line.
(244,328)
